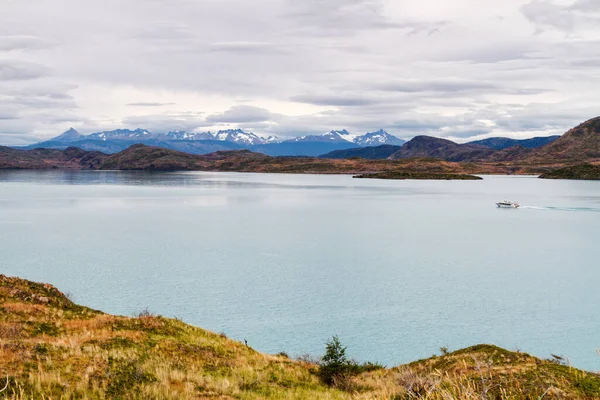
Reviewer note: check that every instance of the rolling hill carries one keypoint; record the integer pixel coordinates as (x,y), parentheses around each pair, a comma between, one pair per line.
(580,144)
(428,146)
(53,348)
(501,143)
(70,158)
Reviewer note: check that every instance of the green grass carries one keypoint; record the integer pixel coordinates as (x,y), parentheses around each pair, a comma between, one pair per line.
(51,348)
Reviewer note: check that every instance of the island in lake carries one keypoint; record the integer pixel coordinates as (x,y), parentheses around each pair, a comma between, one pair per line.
(54,348)
(401,175)
(585,172)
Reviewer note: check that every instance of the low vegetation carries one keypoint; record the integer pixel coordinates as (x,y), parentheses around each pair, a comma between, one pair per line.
(419,175)
(51,348)
(578,172)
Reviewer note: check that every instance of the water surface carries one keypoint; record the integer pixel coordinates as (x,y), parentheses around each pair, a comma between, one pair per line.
(397,269)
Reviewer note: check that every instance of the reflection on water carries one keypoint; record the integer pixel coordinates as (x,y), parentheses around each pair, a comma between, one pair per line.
(397,269)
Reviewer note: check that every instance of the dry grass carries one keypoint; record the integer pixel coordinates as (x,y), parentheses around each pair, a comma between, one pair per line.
(51,348)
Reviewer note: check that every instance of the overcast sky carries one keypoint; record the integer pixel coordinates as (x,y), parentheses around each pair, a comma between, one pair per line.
(451,68)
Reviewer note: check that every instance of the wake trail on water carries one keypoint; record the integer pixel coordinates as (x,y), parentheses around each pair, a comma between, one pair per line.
(549,208)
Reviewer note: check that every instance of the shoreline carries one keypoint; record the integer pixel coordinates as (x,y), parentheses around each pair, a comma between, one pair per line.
(64,349)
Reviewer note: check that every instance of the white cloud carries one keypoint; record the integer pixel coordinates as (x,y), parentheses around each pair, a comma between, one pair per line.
(288,67)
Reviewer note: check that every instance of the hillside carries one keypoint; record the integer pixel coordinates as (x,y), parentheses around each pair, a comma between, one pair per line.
(141,157)
(145,158)
(368,153)
(585,172)
(53,348)
(428,146)
(501,143)
(70,158)
(580,144)
(115,146)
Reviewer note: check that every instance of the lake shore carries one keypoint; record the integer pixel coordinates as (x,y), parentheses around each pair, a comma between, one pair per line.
(53,347)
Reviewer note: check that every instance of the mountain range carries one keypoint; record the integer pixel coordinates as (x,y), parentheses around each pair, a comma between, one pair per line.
(579,145)
(208,142)
(423,154)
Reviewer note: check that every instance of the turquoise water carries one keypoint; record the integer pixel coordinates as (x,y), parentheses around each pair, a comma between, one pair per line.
(397,269)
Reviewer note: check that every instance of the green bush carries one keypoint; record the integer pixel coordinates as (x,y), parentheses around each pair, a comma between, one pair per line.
(334,363)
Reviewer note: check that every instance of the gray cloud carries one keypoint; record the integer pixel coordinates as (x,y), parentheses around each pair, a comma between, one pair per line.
(150,104)
(333,100)
(20,70)
(246,47)
(291,67)
(167,122)
(546,14)
(441,86)
(241,114)
(22,42)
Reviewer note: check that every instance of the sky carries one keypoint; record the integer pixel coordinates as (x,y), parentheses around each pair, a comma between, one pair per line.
(458,69)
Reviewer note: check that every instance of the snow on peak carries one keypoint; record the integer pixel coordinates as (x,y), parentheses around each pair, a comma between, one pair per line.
(239,136)
(378,138)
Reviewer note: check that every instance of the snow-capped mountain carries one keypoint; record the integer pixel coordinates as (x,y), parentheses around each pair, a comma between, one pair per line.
(121,134)
(69,136)
(240,137)
(329,137)
(271,139)
(369,139)
(230,135)
(378,138)
(231,139)
(182,135)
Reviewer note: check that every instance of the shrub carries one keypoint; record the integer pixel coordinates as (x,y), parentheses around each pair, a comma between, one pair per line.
(335,369)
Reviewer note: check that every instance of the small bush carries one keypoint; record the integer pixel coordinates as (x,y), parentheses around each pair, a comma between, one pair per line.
(335,369)
(144,313)
(45,328)
(334,363)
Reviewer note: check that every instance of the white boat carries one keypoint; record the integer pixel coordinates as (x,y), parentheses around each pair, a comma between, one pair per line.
(508,204)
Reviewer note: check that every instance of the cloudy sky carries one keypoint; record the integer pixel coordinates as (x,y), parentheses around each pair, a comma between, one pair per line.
(450,68)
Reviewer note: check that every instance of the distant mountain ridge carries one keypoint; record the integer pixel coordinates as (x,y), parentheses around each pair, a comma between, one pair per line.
(208,142)
(501,143)
(369,153)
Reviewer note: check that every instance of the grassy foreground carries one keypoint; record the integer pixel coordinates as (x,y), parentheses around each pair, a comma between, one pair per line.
(51,348)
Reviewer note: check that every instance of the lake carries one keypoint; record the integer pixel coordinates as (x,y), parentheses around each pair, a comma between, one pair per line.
(396,269)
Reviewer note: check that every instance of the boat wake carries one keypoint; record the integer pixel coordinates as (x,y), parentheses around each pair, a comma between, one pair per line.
(548,208)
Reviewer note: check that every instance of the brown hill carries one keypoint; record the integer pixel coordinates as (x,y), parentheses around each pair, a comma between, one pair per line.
(70,158)
(428,146)
(580,144)
(142,157)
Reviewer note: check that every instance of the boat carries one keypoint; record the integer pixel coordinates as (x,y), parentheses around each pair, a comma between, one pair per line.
(508,204)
